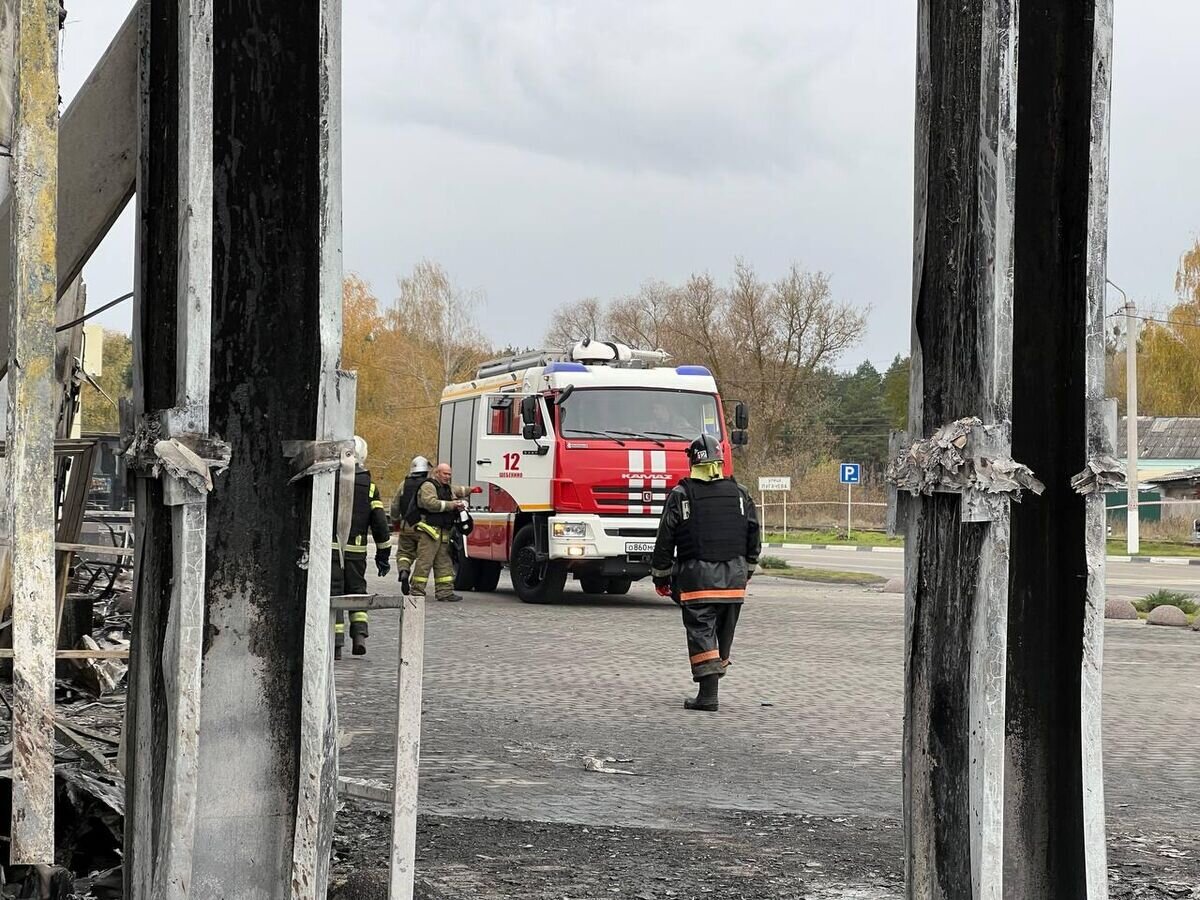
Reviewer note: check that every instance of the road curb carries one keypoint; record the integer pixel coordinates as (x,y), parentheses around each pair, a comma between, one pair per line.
(863,548)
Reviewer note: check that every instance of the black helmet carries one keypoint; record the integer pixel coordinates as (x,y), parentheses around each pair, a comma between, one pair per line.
(705,449)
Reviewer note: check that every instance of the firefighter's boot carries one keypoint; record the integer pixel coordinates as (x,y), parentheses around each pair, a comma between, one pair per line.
(360,644)
(706,699)
(337,651)
(405,582)
(450,598)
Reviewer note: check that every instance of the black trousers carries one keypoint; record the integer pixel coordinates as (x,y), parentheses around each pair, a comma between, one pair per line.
(710,628)
(351,580)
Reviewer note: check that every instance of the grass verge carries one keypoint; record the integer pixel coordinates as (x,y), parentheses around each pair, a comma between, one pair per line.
(1118,547)
(825,576)
(857,538)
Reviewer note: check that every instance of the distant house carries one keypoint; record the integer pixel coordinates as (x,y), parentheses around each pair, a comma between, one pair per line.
(1182,487)
(1166,445)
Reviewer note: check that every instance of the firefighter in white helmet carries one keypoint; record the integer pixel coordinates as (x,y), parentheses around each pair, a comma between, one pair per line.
(405,516)
(439,504)
(351,578)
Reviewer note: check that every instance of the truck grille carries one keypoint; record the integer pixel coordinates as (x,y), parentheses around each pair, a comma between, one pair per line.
(641,497)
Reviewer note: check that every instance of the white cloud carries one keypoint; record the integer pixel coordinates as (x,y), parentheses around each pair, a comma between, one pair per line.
(681,87)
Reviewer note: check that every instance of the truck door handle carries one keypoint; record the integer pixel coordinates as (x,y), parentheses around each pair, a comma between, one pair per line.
(483,462)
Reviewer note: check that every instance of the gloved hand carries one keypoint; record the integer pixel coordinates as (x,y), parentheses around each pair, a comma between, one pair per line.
(383,566)
(662,586)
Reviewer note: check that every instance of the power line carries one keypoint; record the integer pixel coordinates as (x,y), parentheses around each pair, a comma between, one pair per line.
(1155,320)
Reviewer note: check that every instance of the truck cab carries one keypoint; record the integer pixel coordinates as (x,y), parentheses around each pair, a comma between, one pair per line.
(576,452)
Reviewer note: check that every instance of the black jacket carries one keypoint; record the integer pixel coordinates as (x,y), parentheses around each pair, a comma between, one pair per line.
(368,516)
(406,499)
(701,580)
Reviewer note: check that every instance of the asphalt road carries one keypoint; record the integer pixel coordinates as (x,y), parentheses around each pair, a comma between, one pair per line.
(1126,580)
(517,697)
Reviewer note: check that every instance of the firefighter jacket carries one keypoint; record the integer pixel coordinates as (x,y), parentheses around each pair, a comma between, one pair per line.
(404,503)
(368,515)
(708,541)
(436,504)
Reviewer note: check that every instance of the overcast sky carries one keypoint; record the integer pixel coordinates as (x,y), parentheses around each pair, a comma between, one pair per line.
(548,150)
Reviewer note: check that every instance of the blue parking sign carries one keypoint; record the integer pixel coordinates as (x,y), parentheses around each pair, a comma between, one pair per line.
(851,473)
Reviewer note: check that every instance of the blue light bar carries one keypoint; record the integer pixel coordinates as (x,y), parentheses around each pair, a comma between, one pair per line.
(693,370)
(558,367)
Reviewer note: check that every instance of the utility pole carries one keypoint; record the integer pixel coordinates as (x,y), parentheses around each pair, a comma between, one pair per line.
(1132,513)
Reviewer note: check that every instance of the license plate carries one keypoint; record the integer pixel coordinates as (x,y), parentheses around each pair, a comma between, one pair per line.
(639,546)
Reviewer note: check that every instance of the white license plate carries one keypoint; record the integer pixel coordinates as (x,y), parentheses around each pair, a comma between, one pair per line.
(639,546)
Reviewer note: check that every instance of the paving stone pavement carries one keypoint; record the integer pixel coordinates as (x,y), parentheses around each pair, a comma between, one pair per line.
(516,696)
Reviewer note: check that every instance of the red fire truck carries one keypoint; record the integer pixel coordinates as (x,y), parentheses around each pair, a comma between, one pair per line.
(575,452)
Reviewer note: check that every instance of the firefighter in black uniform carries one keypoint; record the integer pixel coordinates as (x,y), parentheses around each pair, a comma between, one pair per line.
(352,579)
(707,547)
(406,533)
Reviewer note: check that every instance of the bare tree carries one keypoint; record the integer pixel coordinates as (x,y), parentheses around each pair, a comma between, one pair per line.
(576,321)
(769,343)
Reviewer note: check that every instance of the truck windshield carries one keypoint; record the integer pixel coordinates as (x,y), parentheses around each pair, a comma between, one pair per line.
(655,415)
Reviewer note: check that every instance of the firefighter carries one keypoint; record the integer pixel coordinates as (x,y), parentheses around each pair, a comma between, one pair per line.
(351,578)
(707,547)
(404,516)
(439,503)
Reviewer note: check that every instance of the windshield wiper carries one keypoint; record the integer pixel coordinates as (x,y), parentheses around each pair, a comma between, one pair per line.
(607,434)
(644,436)
(670,434)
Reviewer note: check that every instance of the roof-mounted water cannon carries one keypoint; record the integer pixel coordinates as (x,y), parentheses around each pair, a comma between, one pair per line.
(614,353)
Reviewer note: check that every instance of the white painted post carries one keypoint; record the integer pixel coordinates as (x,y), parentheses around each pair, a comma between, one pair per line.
(1132,513)
(32,402)
(849,490)
(408,749)
(785,501)
(317,795)
(183,643)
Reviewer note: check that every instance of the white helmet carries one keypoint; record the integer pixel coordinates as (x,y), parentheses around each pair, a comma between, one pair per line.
(360,450)
(420,466)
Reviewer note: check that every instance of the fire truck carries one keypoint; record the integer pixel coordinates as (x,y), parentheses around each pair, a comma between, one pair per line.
(575,452)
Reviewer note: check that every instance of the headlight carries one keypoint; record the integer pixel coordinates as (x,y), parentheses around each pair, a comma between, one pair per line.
(570,530)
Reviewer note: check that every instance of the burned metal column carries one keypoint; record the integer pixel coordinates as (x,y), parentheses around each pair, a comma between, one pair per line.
(33,393)
(1054,820)
(231,680)
(170,443)
(954,471)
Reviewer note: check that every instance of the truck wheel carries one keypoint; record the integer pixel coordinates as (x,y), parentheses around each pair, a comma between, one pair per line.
(534,581)
(619,585)
(488,576)
(466,570)
(593,584)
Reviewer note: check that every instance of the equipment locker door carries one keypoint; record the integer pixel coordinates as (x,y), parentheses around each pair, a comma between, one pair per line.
(521,467)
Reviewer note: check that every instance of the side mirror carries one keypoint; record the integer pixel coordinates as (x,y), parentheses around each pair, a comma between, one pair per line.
(739,437)
(741,416)
(532,429)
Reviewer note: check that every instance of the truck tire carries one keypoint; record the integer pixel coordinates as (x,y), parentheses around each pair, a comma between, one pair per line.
(466,570)
(535,582)
(488,576)
(593,584)
(619,585)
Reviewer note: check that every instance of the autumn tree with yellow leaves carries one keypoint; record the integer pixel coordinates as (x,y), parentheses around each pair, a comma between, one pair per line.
(1168,351)
(405,353)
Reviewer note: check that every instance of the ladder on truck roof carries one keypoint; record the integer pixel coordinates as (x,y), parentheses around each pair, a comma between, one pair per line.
(505,364)
(602,353)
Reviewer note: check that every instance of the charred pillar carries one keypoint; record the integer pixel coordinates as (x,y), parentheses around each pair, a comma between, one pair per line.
(1054,819)
(229,696)
(957,516)
(1003,775)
